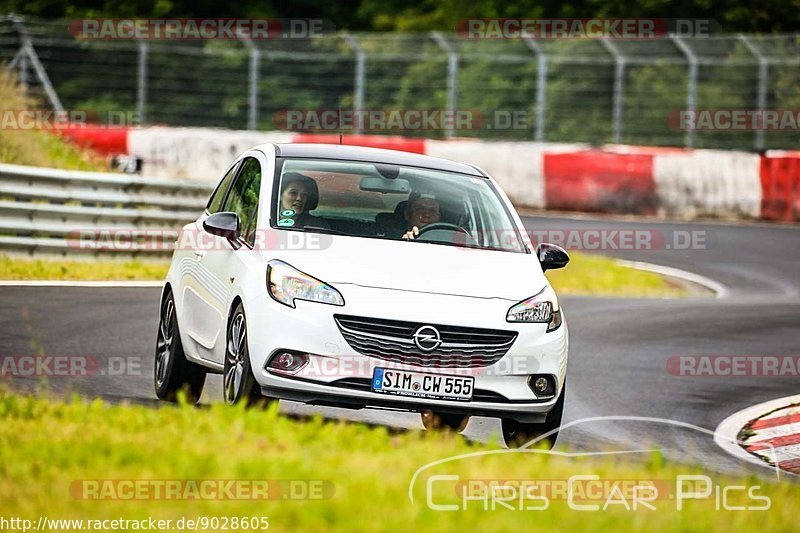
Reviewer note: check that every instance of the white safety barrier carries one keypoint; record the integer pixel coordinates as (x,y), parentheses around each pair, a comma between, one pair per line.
(50,211)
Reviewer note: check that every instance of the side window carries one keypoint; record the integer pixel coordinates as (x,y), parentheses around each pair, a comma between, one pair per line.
(215,202)
(243,198)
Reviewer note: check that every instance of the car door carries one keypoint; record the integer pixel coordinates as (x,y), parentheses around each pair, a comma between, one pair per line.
(194,244)
(226,260)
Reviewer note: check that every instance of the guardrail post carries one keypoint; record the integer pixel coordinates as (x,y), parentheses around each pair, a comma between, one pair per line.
(619,86)
(691,86)
(761,89)
(141,87)
(452,78)
(541,87)
(359,83)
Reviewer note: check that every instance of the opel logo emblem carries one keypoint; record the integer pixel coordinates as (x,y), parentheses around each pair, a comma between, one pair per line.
(427,338)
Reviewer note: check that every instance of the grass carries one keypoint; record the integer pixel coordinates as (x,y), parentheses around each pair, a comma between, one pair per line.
(586,274)
(601,276)
(36,147)
(50,446)
(15,268)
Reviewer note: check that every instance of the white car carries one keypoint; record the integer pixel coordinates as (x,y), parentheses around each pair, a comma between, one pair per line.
(366,278)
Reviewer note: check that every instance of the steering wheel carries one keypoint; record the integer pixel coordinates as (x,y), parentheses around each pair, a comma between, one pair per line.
(441,225)
(447,227)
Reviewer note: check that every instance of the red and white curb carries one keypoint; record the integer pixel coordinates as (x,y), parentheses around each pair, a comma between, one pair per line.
(644,180)
(767,434)
(719,290)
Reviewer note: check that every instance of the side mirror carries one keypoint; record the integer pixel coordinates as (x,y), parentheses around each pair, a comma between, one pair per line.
(551,256)
(223,224)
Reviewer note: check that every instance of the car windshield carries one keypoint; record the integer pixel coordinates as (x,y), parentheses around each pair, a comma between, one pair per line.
(376,200)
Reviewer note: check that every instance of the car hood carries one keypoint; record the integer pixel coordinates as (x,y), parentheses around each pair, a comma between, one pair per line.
(418,266)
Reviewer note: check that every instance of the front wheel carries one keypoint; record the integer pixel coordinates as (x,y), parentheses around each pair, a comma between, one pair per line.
(517,433)
(173,372)
(238,384)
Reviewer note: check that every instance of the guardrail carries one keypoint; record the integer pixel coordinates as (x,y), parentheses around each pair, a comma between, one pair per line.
(50,211)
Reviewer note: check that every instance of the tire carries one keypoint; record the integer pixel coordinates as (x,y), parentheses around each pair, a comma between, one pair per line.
(433,421)
(238,383)
(517,434)
(172,372)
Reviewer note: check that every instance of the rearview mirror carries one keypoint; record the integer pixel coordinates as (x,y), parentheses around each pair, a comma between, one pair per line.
(551,256)
(223,224)
(384,185)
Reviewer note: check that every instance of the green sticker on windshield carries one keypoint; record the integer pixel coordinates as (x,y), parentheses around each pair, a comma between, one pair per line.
(286,222)
(287,213)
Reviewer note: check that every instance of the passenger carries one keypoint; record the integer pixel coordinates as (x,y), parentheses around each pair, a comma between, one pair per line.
(299,195)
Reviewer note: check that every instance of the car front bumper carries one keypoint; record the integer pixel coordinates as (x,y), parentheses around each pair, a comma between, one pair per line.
(338,375)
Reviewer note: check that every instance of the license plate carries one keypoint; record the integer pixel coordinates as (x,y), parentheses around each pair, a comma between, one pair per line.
(422,385)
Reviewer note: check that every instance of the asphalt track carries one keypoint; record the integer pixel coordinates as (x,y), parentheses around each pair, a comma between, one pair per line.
(618,354)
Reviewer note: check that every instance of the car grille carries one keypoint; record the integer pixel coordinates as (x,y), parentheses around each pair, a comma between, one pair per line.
(392,340)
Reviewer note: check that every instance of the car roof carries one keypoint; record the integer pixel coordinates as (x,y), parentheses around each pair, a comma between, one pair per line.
(372,155)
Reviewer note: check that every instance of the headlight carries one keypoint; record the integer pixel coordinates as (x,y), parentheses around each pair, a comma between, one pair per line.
(541,308)
(287,284)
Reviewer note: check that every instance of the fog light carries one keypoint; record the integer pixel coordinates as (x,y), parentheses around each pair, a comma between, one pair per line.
(284,360)
(288,362)
(542,386)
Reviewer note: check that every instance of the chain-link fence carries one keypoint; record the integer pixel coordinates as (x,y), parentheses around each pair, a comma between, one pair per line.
(579,90)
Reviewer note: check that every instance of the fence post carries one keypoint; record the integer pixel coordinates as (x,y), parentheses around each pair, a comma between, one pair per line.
(29,56)
(619,86)
(359,81)
(452,79)
(691,89)
(23,71)
(761,89)
(255,58)
(20,61)
(541,86)
(141,88)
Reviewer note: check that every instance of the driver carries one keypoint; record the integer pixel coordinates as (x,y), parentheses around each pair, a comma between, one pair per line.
(422,209)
